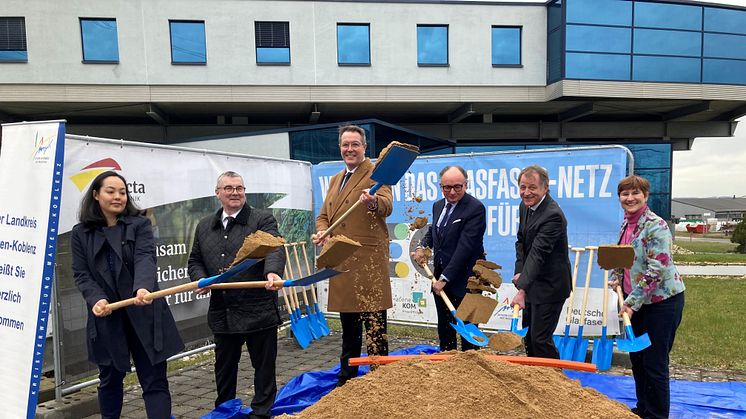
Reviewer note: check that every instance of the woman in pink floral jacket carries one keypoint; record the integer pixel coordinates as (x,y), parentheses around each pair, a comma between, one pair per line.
(654,295)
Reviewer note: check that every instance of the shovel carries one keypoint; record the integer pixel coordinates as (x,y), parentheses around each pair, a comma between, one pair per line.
(307,280)
(603,346)
(391,165)
(631,343)
(580,347)
(562,340)
(303,322)
(301,336)
(468,331)
(318,316)
(312,325)
(189,286)
(514,323)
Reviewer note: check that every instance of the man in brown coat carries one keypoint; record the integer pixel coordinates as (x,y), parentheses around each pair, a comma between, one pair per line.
(363,294)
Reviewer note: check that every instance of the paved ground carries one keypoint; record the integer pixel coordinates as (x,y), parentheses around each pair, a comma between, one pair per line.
(193,388)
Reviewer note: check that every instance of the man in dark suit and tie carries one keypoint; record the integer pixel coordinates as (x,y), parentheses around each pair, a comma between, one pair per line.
(456,237)
(542,267)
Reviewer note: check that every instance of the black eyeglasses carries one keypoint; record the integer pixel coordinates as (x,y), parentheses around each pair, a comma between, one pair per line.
(447,188)
(231,189)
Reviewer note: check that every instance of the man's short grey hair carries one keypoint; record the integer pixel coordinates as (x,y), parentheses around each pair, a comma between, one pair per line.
(352,128)
(228,173)
(543,175)
(459,168)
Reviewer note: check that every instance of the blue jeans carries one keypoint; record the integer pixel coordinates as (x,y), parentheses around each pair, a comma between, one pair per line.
(650,366)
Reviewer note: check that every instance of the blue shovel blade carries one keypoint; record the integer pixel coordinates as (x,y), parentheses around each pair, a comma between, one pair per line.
(632,343)
(233,271)
(581,347)
(302,339)
(470,332)
(311,279)
(567,346)
(313,325)
(321,319)
(395,163)
(514,328)
(603,348)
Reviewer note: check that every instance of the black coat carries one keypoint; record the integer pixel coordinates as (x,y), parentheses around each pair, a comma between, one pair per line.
(460,243)
(542,254)
(236,311)
(134,262)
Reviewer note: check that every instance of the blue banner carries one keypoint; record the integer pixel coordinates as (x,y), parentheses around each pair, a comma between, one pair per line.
(582,180)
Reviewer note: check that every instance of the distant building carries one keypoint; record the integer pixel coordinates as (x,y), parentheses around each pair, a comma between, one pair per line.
(721,209)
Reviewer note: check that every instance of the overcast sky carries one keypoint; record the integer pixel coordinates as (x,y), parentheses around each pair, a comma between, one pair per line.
(713,167)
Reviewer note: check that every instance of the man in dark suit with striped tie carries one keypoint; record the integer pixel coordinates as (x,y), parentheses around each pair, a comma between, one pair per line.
(456,236)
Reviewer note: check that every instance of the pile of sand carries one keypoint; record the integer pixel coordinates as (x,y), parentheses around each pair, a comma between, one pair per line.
(466,386)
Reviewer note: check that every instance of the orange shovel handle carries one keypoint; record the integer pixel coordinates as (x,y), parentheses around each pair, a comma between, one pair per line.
(523,360)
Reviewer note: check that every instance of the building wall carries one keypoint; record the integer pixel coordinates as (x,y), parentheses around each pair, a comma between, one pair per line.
(55,50)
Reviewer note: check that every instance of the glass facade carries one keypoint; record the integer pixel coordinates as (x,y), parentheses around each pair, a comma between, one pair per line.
(353,44)
(188,42)
(645,41)
(322,144)
(506,46)
(432,45)
(100,41)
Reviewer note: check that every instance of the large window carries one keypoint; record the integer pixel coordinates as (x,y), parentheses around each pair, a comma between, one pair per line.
(13,39)
(506,46)
(353,44)
(188,42)
(272,43)
(645,41)
(100,44)
(432,45)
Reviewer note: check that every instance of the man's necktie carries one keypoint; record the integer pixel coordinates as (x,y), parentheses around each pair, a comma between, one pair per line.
(344,181)
(529,214)
(446,216)
(229,220)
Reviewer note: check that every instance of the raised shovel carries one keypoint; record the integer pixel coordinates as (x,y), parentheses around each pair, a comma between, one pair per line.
(603,347)
(189,286)
(391,165)
(468,331)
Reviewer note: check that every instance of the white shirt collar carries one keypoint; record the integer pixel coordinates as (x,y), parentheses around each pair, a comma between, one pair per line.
(533,208)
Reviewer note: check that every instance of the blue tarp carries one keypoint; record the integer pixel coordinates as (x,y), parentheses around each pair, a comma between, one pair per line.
(689,399)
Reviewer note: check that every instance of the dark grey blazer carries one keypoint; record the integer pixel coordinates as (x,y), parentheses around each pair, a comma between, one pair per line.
(134,266)
(245,310)
(542,254)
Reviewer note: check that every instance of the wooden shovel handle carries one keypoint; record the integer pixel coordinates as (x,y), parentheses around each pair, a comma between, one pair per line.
(153,295)
(523,360)
(308,269)
(442,294)
(339,220)
(578,251)
(605,289)
(621,304)
(587,284)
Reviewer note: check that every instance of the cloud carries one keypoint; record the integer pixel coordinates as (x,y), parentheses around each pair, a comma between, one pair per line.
(713,167)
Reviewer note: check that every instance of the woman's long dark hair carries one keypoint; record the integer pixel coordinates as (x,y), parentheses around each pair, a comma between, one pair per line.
(90,213)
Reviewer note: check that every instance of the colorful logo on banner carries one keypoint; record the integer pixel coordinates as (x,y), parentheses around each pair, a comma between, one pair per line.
(86,175)
(43,148)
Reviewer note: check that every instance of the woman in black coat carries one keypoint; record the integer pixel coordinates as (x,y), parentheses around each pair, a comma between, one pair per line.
(113,257)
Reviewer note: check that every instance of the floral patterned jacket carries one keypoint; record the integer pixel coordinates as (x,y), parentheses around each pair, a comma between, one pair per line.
(653,274)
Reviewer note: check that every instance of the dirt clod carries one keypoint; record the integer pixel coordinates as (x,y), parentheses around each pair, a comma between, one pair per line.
(336,251)
(418,223)
(257,245)
(504,341)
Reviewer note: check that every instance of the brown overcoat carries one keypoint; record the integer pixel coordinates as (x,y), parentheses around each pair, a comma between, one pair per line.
(367,286)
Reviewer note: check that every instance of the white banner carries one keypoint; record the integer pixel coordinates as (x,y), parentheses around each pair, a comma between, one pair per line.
(31,167)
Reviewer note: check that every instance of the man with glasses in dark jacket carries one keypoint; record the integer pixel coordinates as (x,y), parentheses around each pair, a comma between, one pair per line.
(243,316)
